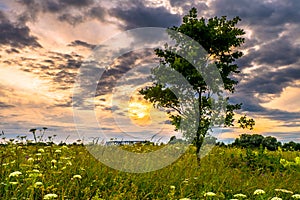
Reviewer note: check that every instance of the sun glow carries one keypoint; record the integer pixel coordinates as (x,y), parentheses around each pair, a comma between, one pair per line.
(139,111)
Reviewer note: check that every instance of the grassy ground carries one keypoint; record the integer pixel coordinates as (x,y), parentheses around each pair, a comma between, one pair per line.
(70,172)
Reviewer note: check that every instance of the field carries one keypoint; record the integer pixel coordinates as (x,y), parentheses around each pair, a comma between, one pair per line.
(70,172)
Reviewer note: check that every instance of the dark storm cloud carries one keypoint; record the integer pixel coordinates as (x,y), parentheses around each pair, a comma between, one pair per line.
(15,35)
(112,75)
(273,25)
(83,44)
(71,11)
(141,16)
(271,82)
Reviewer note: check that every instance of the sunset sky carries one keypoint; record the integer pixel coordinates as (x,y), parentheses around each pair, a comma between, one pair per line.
(44,43)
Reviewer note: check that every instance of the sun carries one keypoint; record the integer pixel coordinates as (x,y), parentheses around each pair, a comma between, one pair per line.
(139,111)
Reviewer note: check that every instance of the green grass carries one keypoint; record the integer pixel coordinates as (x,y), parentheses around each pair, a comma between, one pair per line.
(224,171)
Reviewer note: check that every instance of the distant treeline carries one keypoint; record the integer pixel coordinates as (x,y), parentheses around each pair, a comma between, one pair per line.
(257,141)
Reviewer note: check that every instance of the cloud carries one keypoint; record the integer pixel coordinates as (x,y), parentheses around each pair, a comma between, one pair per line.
(16,35)
(72,19)
(139,15)
(83,44)
(5,105)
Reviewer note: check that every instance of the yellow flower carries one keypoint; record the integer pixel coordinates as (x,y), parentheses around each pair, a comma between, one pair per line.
(15,174)
(172,187)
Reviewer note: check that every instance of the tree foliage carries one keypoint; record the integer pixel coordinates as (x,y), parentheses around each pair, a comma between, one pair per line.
(220,38)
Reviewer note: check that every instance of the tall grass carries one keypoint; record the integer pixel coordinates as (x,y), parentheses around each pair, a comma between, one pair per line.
(70,172)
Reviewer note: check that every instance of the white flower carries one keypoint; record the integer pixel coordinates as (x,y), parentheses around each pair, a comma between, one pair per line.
(296,196)
(65,147)
(15,174)
(57,151)
(259,192)
(209,194)
(276,198)
(50,196)
(240,196)
(37,184)
(77,176)
(41,150)
(38,154)
(284,191)
(172,187)
(53,161)
(31,160)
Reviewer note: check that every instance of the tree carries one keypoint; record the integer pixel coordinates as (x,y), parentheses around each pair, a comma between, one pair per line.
(249,141)
(220,39)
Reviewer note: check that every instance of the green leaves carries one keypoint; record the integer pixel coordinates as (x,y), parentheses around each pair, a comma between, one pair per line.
(220,39)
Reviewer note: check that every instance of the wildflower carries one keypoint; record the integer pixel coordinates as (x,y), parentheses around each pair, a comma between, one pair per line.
(296,196)
(35,171)
(259,192)
(77,176)
(284,191)
(57,151)
(240,196)
(210,194)
(276,198)
(297,160)
(53,161)
(50,196)
(65,147)
(38,154)
(15,174)
(31,160)
(41,150)
(186,181)
(13,183)
(69,163)
(185,199)
(172,187)
(37,184)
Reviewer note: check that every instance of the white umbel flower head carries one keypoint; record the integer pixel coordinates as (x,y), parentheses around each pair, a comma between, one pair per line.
(210,194)
(296,196)
(276,198)
(77,176)
(240,196)
(259,192)
(15,174)
(50,196)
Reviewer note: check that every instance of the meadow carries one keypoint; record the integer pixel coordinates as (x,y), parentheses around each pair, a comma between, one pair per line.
(51,171)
